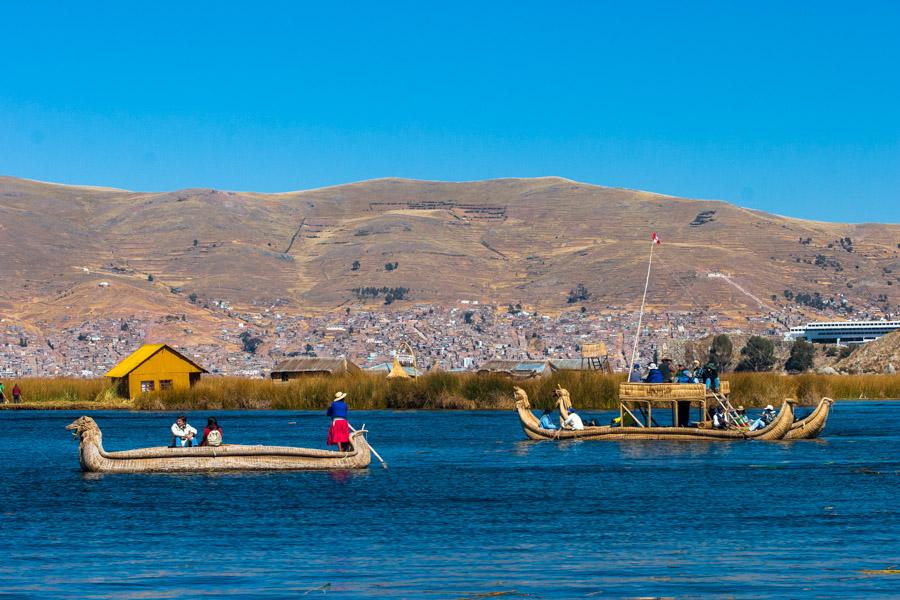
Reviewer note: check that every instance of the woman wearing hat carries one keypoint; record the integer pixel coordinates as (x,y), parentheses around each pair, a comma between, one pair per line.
(339,432)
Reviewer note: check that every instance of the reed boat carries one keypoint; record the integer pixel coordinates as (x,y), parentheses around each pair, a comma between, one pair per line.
(230,457)
(811,426)
(775,430)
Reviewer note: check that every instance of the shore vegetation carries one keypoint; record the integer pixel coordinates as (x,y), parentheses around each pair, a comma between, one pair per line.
(433,391)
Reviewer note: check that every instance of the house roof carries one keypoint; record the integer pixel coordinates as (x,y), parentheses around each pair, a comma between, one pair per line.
(570,364)
(307,364)
(141,355)
(499,365)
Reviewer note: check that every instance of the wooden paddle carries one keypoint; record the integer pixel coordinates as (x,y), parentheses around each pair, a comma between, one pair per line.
(378,456)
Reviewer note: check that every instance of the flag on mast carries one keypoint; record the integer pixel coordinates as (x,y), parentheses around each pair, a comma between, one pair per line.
(655,238)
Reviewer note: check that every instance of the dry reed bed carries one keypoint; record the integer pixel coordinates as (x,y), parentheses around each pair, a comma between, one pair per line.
(439,390)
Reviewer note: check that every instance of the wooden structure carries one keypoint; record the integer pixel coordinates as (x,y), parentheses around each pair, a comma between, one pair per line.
(154,367)
(595,356)
(679,398)
(310,366)
(203,459)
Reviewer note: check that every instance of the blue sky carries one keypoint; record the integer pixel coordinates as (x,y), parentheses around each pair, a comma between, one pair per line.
(792,108)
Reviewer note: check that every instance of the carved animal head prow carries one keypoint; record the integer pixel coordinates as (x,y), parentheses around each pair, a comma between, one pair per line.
(83,426)
(562,396)
(521,397)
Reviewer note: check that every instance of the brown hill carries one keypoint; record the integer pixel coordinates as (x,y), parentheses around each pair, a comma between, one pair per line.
(504,241)
(880,356)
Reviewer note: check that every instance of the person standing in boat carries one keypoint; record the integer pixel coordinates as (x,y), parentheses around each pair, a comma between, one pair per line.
(654,375)
(339,432)
(711,377)
(635,376)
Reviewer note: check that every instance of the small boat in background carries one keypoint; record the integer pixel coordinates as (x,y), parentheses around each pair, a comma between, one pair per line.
(200,459)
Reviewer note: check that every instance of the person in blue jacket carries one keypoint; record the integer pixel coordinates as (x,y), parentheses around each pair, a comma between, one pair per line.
(654,375)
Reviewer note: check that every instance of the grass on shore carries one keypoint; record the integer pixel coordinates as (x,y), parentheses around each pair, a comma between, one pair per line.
(438,390)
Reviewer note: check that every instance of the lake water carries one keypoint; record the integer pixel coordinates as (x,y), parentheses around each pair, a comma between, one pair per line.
(467,508)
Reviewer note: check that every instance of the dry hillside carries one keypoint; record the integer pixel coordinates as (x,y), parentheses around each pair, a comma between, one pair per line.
(508,240)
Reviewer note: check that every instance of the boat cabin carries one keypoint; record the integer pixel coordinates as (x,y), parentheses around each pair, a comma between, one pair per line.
(638,401)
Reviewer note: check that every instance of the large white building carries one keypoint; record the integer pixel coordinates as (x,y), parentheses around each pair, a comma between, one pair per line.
(843,332)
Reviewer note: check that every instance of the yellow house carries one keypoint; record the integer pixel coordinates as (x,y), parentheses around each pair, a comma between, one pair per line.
(154,367)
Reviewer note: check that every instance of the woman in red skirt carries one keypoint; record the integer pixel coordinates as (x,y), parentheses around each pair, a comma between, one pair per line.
(339,432)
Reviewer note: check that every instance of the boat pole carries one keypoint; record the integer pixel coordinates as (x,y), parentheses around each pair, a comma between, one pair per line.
(637,334)
(378,456)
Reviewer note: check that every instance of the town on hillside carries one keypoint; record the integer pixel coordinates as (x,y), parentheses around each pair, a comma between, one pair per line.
(460,337)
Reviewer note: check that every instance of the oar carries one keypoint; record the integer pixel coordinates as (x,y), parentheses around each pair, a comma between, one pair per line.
(378,456)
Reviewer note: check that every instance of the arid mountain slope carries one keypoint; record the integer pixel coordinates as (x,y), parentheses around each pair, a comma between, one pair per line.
(504,241)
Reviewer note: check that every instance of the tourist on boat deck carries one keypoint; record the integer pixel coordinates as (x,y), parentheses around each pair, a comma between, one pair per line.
(546,422)
(573,421)
(711,377)
(212,435)
(665,368)
(767,416)
(683,375)
(635,376)
(654,375)
(697,373)
(182,432)
(740,419)
(339,432)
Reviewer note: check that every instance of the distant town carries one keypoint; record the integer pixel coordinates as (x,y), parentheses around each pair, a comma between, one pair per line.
(459,337)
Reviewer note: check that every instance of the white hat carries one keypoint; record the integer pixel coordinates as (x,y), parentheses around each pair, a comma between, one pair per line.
(652,366)
(769,407)
(340,396)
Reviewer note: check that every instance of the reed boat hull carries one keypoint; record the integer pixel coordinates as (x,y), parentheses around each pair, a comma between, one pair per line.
(776,430)
(811,426)
(95,459)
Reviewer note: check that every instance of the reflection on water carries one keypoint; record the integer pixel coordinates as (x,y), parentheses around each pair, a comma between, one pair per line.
(467,507)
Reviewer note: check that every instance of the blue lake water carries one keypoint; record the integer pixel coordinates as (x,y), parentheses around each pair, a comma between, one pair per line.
(467,507)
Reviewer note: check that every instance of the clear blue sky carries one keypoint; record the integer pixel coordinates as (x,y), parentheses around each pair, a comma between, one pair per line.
(790,107)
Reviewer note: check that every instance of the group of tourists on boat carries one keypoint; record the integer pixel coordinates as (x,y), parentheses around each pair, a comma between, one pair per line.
(666,372)
(185,434)
(721,419)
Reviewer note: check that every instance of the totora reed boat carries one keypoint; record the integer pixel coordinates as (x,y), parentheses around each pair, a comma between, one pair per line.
(650,395)
(811,426)
(229,457)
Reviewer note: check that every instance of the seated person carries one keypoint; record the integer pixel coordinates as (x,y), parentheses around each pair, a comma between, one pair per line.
(740,418)
(767,416)
(182,432)
(654,375)
(635,376)
(212,435)
(683,375)
(627,421)
(573,421)
(720,419)
(546,422)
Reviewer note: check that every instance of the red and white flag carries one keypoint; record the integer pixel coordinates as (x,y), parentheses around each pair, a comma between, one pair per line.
(655,238)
